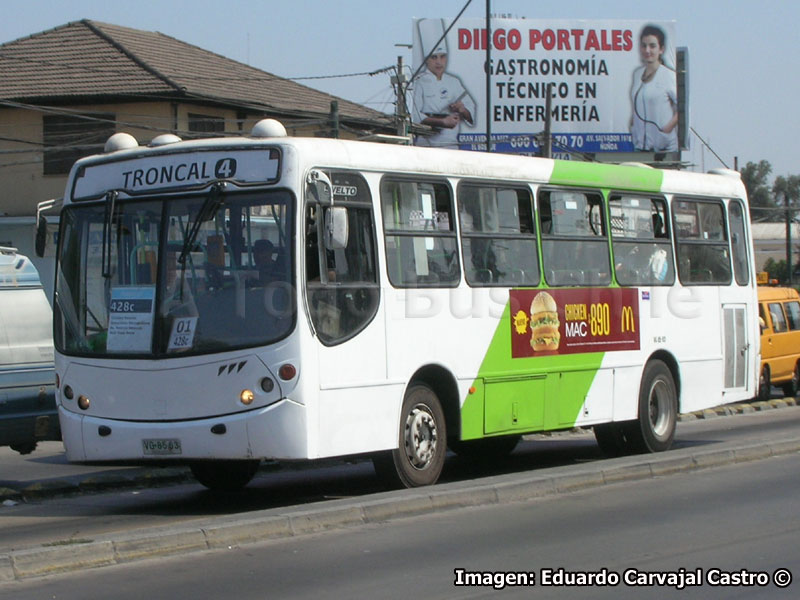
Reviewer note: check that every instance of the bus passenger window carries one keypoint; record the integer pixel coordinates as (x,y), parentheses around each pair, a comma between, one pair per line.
(640,240)
(574,242)
(704,256)
(419,230)
(497,236)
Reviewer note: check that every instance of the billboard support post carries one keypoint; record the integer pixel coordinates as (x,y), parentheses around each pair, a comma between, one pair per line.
(488,77)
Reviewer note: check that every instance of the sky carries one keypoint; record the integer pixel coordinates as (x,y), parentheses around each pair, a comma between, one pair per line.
(744,55)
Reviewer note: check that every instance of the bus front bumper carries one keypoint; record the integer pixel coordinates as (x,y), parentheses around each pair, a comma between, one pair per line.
(278,431)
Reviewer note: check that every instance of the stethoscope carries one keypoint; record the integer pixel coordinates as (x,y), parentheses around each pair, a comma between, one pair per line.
(644,119)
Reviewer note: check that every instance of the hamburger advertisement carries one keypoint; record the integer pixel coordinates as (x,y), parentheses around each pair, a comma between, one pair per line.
(544,323)
(568,321)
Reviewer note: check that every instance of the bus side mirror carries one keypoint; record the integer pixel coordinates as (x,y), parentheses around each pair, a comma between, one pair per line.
(336,228)
(320,187)
(41,236)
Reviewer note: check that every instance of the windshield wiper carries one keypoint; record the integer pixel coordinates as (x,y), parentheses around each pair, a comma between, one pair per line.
(206,212)
(108,221)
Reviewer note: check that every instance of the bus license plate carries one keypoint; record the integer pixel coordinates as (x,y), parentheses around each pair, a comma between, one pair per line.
(162,446)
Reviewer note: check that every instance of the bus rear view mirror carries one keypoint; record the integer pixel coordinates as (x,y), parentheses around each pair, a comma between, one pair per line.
(320,187)
(336,228)
(40,243)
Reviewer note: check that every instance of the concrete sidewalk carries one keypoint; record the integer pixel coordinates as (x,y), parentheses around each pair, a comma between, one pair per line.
(282,522)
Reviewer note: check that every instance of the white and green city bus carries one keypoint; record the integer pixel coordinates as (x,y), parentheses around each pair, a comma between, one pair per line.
(223,301)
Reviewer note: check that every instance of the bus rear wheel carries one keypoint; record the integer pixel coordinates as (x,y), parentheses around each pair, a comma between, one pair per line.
(225,475)
(654,430)
(419,458)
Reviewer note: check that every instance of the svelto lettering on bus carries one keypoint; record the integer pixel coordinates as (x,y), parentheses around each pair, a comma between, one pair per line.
(569,321)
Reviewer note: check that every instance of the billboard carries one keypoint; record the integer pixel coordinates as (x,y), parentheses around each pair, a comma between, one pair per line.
(612,83)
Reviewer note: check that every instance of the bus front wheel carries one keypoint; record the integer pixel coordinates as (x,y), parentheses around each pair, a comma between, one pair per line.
(654,430)
(422,444)
(225,475)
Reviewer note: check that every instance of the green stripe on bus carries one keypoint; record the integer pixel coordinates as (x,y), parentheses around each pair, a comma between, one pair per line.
(583,174)
(515,395)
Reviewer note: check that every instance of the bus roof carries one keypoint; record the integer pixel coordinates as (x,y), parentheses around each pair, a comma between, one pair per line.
(372,156)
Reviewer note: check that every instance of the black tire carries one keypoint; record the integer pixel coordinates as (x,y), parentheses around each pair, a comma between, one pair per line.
(764,384)
(24,447)
(611,439)
(790,387)
(654,429)
(225,475)
(486,449)
(422,442)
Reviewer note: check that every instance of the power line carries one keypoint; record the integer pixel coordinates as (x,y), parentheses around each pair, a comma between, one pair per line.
(706,144)
(266,77)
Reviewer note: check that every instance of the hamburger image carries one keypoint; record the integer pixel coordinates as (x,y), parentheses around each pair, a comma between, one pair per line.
(544,323)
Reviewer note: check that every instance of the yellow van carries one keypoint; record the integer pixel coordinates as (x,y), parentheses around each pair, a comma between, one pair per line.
(779,315)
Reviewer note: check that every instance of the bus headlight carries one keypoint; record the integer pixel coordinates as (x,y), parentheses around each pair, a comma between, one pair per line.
(83,402)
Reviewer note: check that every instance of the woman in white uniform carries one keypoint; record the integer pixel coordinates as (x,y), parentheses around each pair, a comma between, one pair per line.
(653,94)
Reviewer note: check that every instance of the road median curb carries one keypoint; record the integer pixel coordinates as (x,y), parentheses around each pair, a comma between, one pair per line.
(339,514)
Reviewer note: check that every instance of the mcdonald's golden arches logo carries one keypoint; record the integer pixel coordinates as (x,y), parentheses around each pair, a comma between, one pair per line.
(628,322)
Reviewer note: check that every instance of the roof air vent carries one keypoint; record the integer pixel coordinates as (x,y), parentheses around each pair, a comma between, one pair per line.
(120,141)
(267,128)
(164,139)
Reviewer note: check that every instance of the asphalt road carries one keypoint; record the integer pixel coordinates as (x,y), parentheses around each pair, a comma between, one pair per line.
(85,530)
(697,528)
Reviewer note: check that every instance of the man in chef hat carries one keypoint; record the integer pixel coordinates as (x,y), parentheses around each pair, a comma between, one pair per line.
(440,99)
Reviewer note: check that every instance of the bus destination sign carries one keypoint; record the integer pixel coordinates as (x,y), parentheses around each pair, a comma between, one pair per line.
(166,172)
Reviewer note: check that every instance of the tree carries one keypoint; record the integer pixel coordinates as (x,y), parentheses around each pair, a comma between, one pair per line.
(754,177)
(787,191)
(776,269)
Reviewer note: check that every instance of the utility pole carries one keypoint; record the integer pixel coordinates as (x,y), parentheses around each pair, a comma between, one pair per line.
(488,76)
(547,142)
(334,118)
(789,220)
(400,81)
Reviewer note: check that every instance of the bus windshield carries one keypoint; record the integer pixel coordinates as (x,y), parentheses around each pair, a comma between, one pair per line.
(171,277)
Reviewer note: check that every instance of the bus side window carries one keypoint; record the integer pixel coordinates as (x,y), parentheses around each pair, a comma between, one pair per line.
(640,240)
(420,234)
(704,255)
(738,242)
(574,241)
(497,236)
(342,283)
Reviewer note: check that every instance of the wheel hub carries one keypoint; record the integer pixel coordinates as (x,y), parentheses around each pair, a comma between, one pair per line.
(421,437)
(659,408)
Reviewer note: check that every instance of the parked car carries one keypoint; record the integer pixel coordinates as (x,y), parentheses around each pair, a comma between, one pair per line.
(779,315)
(27,376)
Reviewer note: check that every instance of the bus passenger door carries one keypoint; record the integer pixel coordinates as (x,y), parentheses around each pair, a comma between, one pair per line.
(343,299)
(736,346)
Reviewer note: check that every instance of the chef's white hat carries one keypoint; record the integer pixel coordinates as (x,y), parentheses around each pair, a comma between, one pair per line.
(430,32)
